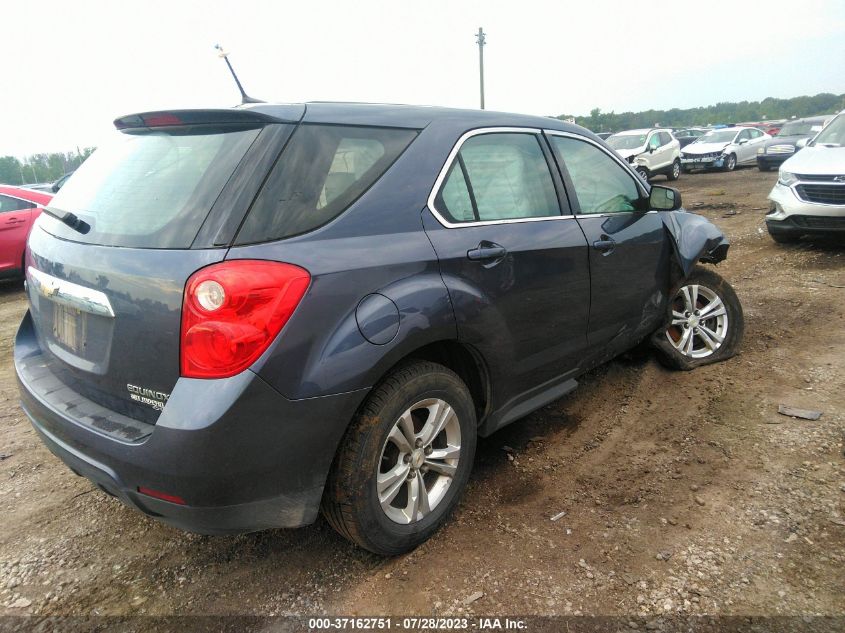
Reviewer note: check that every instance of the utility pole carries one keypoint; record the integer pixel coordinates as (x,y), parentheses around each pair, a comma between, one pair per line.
(481,42)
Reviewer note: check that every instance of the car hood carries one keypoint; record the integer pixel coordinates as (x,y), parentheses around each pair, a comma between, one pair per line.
(625,153)
(817,160)
(704,148)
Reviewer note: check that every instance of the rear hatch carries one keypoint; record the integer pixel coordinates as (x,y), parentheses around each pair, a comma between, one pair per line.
(109,259)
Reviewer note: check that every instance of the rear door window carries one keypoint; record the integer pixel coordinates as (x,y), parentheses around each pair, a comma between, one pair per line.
(8,203)
(150,188)
(498,176)
(321,172)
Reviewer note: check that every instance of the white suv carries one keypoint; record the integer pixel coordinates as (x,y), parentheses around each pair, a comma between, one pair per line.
(653,151)
(809,197)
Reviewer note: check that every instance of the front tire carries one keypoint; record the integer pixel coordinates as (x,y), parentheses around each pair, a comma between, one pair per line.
(763,167)
(405,460)
(643,173)
(675,172)
(730,163)
(705,319)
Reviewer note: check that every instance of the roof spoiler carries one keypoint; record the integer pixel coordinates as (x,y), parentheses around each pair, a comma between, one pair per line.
(171,118)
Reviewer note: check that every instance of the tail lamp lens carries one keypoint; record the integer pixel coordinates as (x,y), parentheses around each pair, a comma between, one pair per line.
(232,311)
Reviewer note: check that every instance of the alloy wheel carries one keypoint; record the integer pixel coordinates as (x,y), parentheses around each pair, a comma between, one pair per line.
(699,321)
(419,460)
(676,169)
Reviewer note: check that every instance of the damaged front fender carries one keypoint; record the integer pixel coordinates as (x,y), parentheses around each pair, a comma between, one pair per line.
(694,239)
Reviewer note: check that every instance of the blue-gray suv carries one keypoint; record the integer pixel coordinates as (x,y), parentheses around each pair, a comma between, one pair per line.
(239,317)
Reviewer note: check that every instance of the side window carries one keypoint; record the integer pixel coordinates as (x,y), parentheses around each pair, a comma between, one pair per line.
(8,203)
(498,176)
(454,199)
(601,184)
(654,141)
(756,134)
(744,135)
(665,138)
(321,172)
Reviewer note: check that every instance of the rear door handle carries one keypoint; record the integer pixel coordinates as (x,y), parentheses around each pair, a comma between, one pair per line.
(604,245)
(486,251)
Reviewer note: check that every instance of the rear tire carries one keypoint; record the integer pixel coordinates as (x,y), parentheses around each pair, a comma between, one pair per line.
(388,490)
(675,172)
(705,319)
(763,167)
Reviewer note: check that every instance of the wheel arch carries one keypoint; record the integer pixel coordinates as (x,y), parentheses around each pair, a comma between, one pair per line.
(462,359)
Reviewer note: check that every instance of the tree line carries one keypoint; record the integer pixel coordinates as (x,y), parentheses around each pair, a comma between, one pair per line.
(40,168)
(726,112)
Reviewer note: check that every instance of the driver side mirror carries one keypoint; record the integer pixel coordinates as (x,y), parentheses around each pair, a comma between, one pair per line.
(664,198)
(742,141)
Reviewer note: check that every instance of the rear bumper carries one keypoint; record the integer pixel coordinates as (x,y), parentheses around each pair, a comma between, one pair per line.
(241,456)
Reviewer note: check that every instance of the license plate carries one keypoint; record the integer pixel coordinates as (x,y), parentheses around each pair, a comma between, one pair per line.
(69,327)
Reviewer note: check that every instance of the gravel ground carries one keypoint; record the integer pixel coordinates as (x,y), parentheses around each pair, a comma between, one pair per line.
(684,493)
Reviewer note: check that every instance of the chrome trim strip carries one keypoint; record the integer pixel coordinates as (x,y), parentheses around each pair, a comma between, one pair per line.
(448,164)
(69,294)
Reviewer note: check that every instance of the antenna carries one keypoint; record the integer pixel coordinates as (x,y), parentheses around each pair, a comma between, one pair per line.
(245,98)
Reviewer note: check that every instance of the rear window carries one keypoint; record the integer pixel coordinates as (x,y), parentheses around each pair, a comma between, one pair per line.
(151,188)
(323,170)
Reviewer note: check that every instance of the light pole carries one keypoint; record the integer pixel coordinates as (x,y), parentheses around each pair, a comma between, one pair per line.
(481,38)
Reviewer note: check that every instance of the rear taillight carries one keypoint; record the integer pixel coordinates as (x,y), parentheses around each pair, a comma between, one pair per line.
(232,311)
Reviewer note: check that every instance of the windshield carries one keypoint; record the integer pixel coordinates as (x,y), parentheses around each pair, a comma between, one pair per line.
(800,128)
(626,141)
(150,188)
(833,134)
(721,136)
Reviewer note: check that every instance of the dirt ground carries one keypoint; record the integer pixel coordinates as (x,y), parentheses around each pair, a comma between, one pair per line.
(683,492)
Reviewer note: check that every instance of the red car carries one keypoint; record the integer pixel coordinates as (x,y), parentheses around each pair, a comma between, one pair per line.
(18,209)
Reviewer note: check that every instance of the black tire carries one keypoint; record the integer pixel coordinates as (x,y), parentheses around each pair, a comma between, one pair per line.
(675,172)
(351,501)
(763,167)
(730,163)
(734,323)
(643,173)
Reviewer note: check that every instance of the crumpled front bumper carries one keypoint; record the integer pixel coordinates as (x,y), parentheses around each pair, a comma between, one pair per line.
(703,163)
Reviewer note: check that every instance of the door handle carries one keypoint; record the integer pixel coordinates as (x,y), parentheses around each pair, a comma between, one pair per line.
(15,221)
(604,245)
(486,251)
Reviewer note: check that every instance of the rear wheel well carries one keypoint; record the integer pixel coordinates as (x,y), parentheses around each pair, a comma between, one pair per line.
(465,362)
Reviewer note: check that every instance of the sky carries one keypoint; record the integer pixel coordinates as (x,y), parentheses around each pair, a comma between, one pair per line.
(69,68)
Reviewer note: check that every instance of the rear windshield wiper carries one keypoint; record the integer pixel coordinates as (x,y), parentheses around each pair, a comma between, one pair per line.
(73,221)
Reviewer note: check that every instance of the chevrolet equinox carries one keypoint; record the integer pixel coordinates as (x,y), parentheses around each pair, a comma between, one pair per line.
(239,317)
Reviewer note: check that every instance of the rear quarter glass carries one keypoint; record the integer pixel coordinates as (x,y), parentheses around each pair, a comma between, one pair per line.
(322,171)
(150,188)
